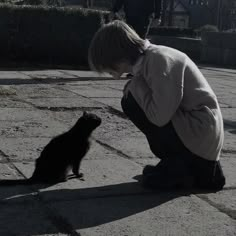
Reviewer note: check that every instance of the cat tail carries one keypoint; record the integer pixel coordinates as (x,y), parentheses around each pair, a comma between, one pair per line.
(12,182)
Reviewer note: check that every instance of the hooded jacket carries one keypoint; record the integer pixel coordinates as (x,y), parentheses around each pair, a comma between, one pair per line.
(168,86)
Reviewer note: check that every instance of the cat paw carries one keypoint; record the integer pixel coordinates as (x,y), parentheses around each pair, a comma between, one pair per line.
(80,175)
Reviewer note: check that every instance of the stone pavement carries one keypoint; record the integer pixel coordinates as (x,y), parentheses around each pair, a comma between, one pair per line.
(37,105)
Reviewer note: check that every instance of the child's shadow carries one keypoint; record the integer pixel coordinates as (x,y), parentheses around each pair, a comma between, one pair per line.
(87,207)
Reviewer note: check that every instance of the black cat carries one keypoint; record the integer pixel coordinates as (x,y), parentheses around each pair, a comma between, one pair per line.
(62,153)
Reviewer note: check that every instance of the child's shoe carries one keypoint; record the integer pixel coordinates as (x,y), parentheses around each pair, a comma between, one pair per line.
(211,177)
(168,174)
(149,169)
(175,173)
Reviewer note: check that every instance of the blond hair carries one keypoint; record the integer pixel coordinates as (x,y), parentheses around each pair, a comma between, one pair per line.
(112,44)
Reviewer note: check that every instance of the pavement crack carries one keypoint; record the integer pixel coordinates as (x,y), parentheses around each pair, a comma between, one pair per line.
(68,108)
(116,112)
(23,101)
(110,148)
(4,155)
(8,161)
(57,220)
(220,207)
(228,151)
(59,109)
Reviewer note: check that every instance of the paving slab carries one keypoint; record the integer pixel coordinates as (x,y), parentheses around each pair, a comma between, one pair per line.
(220,86)
(114,102)
(228,165)
(228,101)
(215,72)
(13,194)
(6,90)
(16,114)
(95,91)
(86,74)
(7,172)
(225,201)
(134,147)
(229,116)
(127,139)
(218,70)
(41,90)
(31,127)
(12,102)
(5,75)
(23,149)
(230,142)
(44,74)
(114,84)
(222,81)
(164,214)
(46,96)
(79,103)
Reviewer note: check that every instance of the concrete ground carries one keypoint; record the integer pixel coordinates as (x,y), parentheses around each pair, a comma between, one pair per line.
(37,105)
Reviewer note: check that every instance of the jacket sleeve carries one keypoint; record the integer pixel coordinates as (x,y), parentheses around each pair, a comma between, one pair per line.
(117,5)
(159,94)
(158,7)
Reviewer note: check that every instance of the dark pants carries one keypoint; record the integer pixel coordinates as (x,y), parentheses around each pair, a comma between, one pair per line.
(140,25)
(165,143)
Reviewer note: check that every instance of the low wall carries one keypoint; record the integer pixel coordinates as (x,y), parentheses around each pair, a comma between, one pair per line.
(219,48)
(192,47)
(213,47)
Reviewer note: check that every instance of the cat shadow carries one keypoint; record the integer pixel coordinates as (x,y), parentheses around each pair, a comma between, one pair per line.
(83,208)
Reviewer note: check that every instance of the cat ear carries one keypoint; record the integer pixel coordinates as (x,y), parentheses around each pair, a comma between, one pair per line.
(85,113)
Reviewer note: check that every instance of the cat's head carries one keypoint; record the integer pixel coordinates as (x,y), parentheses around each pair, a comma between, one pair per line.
(91,120)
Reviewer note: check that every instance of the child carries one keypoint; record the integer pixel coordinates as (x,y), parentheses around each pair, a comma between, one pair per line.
(170,101)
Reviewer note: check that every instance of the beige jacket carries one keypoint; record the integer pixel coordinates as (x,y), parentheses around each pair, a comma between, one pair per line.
(168,86)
